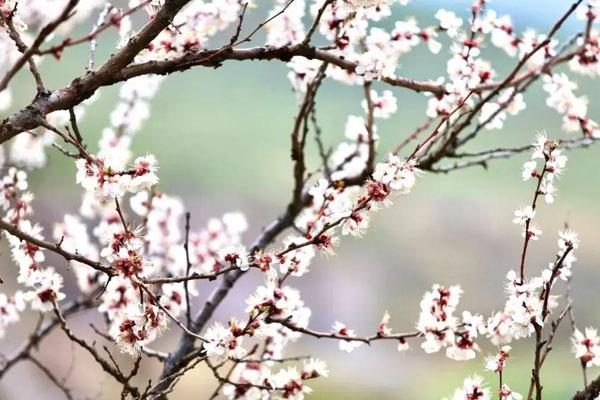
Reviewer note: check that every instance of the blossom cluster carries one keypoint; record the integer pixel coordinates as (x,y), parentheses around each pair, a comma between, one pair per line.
(529,300)
(104,181)
(43,283)
(442,329)
(253,380)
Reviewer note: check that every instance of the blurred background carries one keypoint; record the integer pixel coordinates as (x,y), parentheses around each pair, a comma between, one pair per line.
(221,137)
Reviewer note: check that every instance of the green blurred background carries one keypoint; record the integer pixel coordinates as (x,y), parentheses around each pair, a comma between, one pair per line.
(221,137)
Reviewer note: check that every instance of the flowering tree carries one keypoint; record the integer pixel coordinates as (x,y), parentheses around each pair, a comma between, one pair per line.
(138,261)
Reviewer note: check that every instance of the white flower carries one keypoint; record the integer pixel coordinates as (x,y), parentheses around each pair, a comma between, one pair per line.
(383,106)
(586,347)
(496,362)
(136,326)
(505,393)
(291,380)
(375,63)
(27,255)
(140,203)
(499,328)
(568,238)
(472,389)
(303,71)
(289,29)
(29,150)
(369,3)
(437,321)
(47,290)
(296,262)
(314,368)
(103,180)
(356,224)
(492,116)
(398,174)
(346,345)
(405,35)
(9,310)
(235,255)
(556,163)
(533,232)
(235,223)
(548,189)
(319,191)
(144,176)
(403,345)
(539,146)
(173,297)
(384,329)
(449,21)
(524,214)
(356,129)
(5,99)
(221,343)
(515,105)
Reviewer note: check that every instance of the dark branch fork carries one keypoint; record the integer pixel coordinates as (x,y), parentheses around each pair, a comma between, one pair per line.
(41,331)
(300,130)
(112,370)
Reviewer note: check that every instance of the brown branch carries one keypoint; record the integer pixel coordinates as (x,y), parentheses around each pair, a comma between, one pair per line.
(109,74)
(569,297)
(121,216)
(446,147)
(414,135)
(370,167)
(116,70)
(483,157)
(222,382)
(323,154)
(330,335)
(509,78)
(274,360)
(159,355)
(315,23)
(522,84)
(85,86)
(192,277)
(66,391)
(188,266)
(591,391)
(298,141)
(75,126)
(542,347)
(40,332)
(185,351)
(166,384)
(436,131)
(69,42)
(55,248)
(226,380)
(554,329)
(112,371)
(527,238)
(22,47)
(42,35)
(167,312)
